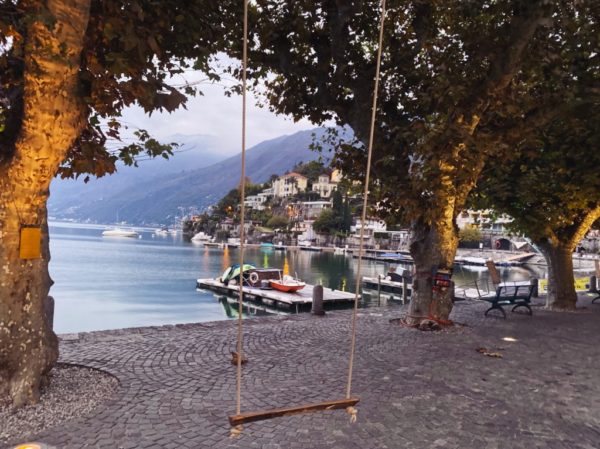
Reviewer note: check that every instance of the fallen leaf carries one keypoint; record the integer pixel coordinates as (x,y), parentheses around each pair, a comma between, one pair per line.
(489,353)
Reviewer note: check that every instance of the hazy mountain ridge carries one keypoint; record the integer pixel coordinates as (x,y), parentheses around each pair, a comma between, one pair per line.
(154,196)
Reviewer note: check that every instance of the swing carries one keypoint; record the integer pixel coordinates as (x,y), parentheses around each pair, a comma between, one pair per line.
(348,403)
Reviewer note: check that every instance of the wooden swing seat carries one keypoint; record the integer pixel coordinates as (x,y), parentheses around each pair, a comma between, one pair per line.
(243,418)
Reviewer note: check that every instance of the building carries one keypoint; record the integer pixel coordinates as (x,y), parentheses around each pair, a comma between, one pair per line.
(289,184)
(267,192)
(324,186)
(227,224)
(484,220)
(371,225)
(256,202)
(307,210)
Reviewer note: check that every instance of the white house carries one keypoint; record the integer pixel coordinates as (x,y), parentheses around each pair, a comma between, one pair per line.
(267,193)
(256,202)
(307,210)
(324,186)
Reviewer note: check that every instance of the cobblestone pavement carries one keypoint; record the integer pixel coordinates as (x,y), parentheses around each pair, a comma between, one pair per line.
(417,389)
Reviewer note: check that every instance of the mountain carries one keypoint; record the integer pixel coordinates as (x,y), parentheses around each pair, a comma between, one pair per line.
(68,195)
(159,194)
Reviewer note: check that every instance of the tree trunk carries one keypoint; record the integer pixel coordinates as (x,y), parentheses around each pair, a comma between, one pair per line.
(52,120)
(433,248)
(561,281)
(28,346)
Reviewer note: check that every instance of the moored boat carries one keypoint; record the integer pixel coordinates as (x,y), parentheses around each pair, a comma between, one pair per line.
(287,284)
(200,237)
(232,273)
(118,232)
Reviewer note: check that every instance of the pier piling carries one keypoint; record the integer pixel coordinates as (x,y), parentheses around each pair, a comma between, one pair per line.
(317,301)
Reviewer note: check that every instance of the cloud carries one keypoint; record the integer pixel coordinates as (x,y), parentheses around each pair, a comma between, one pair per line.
(219,116)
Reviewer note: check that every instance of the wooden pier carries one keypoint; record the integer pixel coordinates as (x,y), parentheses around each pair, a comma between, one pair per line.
(298,299)
(399,259)
(403,289)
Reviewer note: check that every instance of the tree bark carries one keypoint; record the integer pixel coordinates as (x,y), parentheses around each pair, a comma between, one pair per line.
(53,118)
(561,281)
(433,248)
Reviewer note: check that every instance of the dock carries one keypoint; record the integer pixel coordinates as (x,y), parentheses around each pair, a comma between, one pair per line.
(311,248)
(387,286)
(267,296)
(401,258)
(387,257)
(516,258)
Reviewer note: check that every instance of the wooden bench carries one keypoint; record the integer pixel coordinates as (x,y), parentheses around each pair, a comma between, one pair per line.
(518,295)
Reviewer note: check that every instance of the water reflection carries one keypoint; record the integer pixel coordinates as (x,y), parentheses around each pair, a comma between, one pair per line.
(249,309)
(113,283)
(286,266)
(226,260)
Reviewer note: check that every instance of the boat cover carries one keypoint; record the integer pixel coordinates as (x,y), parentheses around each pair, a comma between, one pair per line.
(234,271)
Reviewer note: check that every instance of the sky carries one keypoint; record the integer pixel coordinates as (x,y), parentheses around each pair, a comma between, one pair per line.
(219,116)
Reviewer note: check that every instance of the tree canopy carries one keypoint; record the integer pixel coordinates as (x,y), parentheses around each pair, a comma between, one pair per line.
(551,189)
(229,204)
(447,68)
(444,65)
(278,222)
(132,54)
(337,219)
(548,181)
(312,170)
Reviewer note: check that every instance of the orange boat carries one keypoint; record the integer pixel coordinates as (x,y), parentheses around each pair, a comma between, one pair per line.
(288,284)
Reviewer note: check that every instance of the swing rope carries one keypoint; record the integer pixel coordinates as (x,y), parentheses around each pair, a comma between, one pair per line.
(349,402)
(364,207)
(240,336)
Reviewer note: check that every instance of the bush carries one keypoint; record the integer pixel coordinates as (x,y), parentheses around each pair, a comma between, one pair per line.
(469,235)
(326,223)
(277,222)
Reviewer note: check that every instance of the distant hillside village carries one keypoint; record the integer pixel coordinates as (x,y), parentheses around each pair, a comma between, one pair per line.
(312,204)
(315,205)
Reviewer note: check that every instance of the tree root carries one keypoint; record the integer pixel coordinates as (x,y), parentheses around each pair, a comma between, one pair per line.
(422,323)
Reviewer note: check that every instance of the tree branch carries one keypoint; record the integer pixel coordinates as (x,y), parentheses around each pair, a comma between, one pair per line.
(503,67)
(585,225)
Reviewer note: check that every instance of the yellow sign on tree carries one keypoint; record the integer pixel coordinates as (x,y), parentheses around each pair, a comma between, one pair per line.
(30,246)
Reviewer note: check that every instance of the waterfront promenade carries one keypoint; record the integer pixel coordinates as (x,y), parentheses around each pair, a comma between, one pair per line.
(417,389)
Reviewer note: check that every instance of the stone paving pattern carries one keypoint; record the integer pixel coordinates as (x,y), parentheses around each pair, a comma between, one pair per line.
(417,389)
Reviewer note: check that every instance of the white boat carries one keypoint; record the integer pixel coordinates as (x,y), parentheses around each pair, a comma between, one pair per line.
(162,231)
(338,250)
(233,242)
(118,232)
(201,237)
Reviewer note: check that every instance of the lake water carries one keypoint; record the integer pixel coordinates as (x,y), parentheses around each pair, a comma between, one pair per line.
(110,283)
